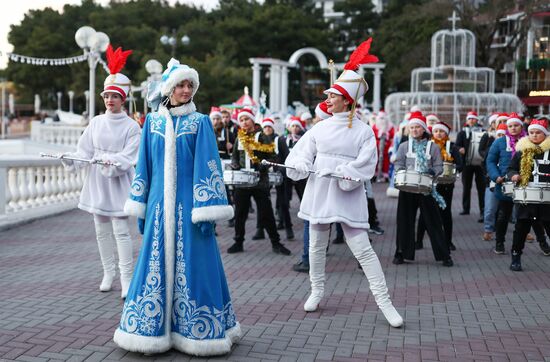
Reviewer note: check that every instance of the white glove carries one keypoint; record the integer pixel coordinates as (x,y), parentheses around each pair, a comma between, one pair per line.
(68,164)
(302,167)
(323,172)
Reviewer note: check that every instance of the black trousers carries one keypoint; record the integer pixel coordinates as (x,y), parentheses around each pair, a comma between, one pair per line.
(467,175)
(407,206)
(284,195)
(523,226)
(504,213)
(373,212)
(264,209)
(446,215)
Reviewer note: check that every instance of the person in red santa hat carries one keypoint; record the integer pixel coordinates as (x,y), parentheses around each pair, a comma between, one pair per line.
(340,145)
(384,133)
(112,137)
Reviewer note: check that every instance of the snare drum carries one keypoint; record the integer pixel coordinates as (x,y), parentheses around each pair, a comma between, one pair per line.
(532,195)
(449,174)
(275,178)
(508,188)
(241,178)
(412,181)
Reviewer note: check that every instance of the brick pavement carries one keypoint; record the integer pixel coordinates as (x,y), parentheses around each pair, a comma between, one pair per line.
(50,308)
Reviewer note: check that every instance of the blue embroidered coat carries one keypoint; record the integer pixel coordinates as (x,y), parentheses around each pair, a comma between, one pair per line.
(178,296)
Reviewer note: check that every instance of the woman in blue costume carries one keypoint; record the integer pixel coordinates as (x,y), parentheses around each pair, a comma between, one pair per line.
(178,297)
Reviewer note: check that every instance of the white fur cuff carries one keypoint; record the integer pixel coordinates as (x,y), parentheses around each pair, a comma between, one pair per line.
(212,213)
(144,344)
(135,208)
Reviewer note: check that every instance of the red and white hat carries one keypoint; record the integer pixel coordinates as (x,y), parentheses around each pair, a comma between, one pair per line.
(268,122)
(501,129)
(296,121)
(419,119)
(442,126)
(215,112)
(540,124)
(502,117)
(245,112)
(493,117)
(350,84)
(472,115)
(514,118)
(322,112)
(117,82)
(305,116)
(432,118)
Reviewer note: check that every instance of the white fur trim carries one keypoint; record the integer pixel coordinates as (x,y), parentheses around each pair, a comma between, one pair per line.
(418,122)
(144,344)
(441,127)
(135,208)
(215,114)
(184,109)
(500,131)
(207,347)
(472,116)
(245,113)
(305,116)
(432,118)
(295,122)
(539,127)
(212,213)
(268,123)
(178,75)
(509,121)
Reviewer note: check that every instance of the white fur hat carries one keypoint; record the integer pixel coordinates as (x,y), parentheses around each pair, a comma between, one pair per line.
(175,73)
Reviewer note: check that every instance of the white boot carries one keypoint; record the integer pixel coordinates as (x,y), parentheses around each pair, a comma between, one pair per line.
(125,253)
(362,250)
(105,244)
(318,241)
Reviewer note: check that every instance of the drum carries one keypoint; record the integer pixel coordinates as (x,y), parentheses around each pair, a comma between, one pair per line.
(412,181)
(275,178)
(508,188)
(449,174)
(241,178)
(226,164)
(532,195)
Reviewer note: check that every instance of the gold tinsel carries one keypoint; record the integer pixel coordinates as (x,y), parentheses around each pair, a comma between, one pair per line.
(442,143)
(526,164)
(250,145)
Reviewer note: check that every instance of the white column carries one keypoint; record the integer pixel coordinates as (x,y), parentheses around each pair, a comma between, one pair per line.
(284,89)
(277,94)
(92,62)
(361,100)
(256,72)
(376,91)
(272,96)
(4,190)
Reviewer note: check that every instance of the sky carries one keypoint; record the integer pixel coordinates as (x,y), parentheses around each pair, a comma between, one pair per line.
(18,9)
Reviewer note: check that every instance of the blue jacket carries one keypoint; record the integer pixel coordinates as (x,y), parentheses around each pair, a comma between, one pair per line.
(497,163)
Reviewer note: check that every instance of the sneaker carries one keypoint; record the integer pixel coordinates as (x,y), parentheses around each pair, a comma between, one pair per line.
(452,247)
(448,262)
(545,248)
(487,236)
(398,260)
(279,248)
(463,212)
(301,267)
(377,230)
(529,238)
(259,235)
(235,248)
(516,262)
(499,248)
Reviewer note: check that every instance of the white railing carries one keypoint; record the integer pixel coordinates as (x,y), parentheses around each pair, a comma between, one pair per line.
(56,134)
(31,188)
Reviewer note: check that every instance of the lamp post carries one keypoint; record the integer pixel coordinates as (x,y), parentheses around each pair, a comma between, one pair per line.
(87,96)
(154,68)
(59,95)
(93,43)
(3,107)
(71,96)
(173,42)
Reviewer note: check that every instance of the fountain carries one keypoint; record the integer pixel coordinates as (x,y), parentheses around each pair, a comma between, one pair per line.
(452,85)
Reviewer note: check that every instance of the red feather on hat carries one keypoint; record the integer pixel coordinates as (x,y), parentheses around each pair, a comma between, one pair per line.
(116,59)
(361,56)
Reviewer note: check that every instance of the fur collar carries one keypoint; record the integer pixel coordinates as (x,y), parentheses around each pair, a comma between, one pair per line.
(184,109)
(524,144)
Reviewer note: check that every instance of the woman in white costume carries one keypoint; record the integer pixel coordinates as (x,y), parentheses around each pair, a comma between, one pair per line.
(112,137)
(343,145)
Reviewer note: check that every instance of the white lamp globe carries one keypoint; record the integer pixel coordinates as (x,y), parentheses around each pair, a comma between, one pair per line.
(83,36)
(153,66)
(100,42)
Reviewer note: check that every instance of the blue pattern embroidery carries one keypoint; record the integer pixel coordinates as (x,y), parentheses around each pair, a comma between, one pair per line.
(211,187)
(156,124)
(138,186)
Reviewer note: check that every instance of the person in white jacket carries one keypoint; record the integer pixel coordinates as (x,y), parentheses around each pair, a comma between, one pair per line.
(112,137)
(341,145)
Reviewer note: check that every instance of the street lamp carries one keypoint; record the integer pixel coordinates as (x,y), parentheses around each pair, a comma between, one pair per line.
(93,43)
(172,41)
(3,107)
(71,96)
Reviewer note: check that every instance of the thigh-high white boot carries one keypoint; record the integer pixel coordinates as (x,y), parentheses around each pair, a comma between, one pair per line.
(361,248)
(318,241)
(125,253)
(106,247)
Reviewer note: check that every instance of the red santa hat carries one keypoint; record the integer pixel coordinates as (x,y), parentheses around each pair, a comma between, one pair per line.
(540,124)
(502,117)
(117,82)
(245,112)
(215,112)
(472,115)
(493,117)
(296,121)
(322,112)
(305,116)
(432,118)
(442,126)
(514,118)
(501,129)
(268,122)
(419,119)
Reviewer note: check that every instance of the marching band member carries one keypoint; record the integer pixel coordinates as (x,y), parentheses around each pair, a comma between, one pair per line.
(530,151)
(178,296)
(419,154)
(449,153)
(112,137)
(344,145)
(250,149)
(224,138)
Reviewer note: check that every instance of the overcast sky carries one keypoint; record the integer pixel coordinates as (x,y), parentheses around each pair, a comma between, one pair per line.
(15,11)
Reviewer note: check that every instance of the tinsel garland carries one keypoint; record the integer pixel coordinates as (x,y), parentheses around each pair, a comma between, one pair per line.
(250,145)
(526,164)
(442,143)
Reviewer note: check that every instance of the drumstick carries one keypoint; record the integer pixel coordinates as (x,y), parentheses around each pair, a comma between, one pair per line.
(347,178)
(103,163)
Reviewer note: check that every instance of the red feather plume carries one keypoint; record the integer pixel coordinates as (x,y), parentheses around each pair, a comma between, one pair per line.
(361,56)
(116,59)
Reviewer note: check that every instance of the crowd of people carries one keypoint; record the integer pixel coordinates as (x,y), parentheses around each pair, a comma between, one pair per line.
(185,172)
